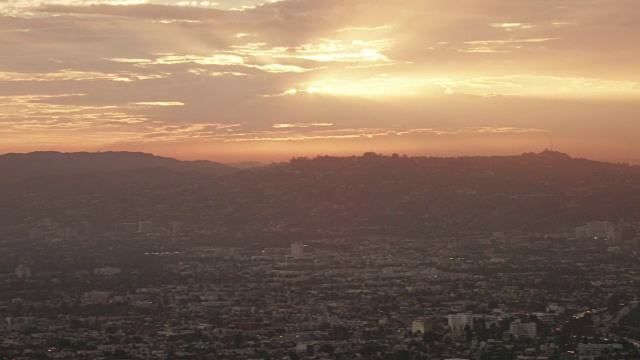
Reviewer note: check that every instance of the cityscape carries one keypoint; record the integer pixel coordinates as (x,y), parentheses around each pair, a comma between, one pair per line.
(319,180)
(159,288)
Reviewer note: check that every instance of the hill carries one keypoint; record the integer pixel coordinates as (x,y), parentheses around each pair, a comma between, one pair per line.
(345,196)
(22,167)
(247,164)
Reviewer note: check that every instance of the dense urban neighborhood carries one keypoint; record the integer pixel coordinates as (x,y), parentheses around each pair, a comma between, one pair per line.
(150,295)
(194,286)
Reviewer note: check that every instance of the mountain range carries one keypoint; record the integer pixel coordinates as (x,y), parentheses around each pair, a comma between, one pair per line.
(322,196)
(20,167)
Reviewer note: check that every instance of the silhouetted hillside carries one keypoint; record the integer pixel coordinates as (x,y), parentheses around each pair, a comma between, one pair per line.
(369,194)
(422,195)
(48,163)
(247,164)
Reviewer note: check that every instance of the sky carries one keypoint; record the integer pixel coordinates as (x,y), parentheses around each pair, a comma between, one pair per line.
(239,80)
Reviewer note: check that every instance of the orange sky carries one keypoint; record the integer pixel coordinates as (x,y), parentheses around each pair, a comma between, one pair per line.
(270,80)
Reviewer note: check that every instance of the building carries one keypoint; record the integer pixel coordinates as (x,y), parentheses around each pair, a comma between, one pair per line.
(174,227)
(625,233)
(145,227)
(431,324)
(127,228)
(459,322)
(596,350)
(107,271)
(597,229)
(23,271)
(95,298)
(16,323)
(520,329)
(297,250)
(417,326)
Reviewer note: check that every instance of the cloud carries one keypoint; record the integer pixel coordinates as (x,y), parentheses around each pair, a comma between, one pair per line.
(159,103)
(369,133)
(122,72)
(216,59)
(300,125)
(142,10)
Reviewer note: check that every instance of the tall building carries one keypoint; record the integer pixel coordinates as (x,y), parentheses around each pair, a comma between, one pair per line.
(145,227)
(431,324)
(625,233)
(127,228)
(600,229)
(297,250)
(458,322)
(417,326)
(174,227)
(84,228)
(519,329)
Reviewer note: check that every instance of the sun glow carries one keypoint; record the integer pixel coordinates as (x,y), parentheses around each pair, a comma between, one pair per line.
(370,87)
(110,73)
(521,85)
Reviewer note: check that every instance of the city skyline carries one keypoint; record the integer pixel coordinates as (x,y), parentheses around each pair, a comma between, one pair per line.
(271,80)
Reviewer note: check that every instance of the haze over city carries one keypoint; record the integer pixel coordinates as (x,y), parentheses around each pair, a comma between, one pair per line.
(320,179)
(255,80)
